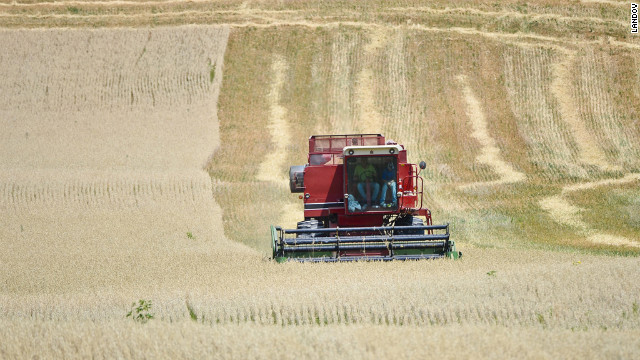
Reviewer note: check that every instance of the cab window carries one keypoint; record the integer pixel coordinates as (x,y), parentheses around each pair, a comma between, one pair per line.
(371,183)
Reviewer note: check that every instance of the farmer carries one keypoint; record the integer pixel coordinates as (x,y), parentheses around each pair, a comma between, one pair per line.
(366,176)
(389,182)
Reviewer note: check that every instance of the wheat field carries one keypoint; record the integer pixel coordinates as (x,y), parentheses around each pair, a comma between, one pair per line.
(145,148)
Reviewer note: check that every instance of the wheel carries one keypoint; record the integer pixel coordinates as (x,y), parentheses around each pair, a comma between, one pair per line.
(308,224)
(409,220)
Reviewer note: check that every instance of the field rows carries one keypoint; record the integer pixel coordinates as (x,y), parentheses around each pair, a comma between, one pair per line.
(406,84)
(528,79)
(492,288)
(189,340)
(107,133)
(103,190)
(616,130)
(528,72)
(129,160)
(69,71)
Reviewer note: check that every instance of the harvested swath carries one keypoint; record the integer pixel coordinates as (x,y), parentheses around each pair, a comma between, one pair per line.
(273,167)
(345,66)
(613,127)
(589,151)
(550,144)
(396,104)
(370,119)
(411,71)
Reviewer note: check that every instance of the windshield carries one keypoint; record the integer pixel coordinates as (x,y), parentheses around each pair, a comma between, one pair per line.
(371,183)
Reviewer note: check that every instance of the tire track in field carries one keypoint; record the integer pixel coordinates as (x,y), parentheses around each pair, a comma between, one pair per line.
(564,213)
(272,167)
(489,153)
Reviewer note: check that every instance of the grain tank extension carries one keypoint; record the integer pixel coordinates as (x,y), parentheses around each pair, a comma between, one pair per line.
(362,201)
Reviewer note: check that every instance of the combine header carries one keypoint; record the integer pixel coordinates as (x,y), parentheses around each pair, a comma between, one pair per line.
(362,201)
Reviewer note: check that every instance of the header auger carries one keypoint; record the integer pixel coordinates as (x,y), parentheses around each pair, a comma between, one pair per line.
(362,201)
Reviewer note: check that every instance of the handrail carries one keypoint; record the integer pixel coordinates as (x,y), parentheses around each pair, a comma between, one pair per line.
(418,187)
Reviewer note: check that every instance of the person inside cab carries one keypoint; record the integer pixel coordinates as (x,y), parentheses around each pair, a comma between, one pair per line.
(389,182)
(366,176)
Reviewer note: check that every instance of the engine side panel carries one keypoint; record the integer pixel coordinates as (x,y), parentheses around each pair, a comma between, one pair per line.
(324,188)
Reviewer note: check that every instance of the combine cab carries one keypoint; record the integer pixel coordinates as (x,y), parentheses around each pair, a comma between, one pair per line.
(362,201)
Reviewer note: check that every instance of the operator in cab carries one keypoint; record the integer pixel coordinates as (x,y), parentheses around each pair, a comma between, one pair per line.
(389,182)
(366,175)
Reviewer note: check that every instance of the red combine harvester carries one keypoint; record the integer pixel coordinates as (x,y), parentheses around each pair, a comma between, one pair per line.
(362,201)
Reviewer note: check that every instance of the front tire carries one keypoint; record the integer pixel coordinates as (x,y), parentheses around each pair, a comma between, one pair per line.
(409,220)
(308,224)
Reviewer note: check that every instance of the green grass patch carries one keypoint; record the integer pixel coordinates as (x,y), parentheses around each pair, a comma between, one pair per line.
(611,209)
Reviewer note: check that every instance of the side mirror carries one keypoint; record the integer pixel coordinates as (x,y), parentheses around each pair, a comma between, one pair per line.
(423,165)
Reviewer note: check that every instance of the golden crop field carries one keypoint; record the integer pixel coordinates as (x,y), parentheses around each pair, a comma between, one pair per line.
(145,148)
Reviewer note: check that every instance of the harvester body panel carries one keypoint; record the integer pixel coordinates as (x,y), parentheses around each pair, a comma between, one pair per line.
(362,201)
